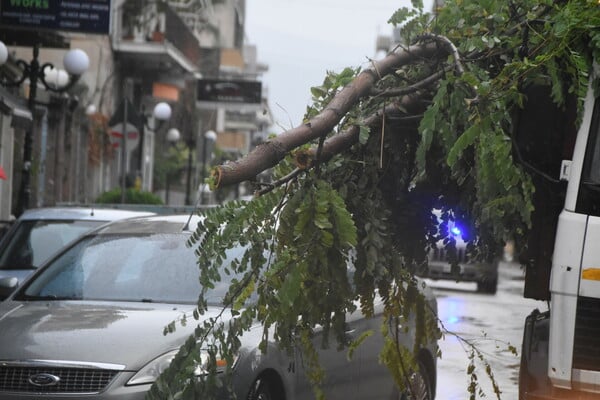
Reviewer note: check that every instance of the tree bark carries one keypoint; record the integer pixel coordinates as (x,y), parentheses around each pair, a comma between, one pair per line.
(270,153)
(344,140)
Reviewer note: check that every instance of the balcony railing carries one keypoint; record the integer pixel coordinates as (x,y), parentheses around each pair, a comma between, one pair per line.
(155,22)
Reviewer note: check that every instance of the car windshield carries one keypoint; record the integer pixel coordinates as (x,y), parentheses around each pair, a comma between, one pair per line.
(156,268)
(33,242)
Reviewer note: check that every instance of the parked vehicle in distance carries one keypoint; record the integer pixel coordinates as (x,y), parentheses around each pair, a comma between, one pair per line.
(485,274)
(89,325)
(39,233)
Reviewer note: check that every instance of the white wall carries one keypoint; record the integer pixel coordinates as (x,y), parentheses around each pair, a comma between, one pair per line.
(6,161)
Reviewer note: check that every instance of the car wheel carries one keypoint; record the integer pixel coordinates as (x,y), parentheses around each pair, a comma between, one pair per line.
(488,286)
(523,377)
(261,390)
(419,386)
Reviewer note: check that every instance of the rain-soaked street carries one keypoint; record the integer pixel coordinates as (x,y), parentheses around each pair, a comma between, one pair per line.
(491,323)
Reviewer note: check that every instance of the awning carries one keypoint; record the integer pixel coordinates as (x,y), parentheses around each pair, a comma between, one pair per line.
(15,106)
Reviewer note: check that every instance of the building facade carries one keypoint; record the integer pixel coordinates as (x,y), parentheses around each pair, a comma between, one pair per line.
(155,52)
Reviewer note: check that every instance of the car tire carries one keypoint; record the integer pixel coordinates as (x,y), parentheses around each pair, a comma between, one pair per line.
(420,386)
(488,286)
(261,390)
(524,379)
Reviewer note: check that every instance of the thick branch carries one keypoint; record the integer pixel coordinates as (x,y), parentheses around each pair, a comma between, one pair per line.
(270,153)
(307,159)
(344,140)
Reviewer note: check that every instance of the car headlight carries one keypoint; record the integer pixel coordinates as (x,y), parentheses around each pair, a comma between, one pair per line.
(150,372)
(153,369)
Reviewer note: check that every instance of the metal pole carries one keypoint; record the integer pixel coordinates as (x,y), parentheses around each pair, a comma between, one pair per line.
(76,185)
(25,188)
(188,183)
(124,153)
(141,160)
(41,189)
(203,169)
(167,188)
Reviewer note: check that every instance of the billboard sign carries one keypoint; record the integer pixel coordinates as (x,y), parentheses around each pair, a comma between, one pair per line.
(86,16)
(229,91)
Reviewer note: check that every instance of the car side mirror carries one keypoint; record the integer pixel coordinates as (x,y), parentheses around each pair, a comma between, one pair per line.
(7,286)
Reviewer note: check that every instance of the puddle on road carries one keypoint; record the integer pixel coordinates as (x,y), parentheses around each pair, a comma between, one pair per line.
(515,290)
(470,321)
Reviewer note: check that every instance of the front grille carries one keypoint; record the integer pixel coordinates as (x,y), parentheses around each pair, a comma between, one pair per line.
(70,380)
(441,254)
(586,349)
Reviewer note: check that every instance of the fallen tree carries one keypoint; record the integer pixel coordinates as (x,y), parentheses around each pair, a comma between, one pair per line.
(430,126)
(267,155)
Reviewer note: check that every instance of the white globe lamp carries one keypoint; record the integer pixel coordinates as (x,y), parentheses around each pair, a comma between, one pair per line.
(90,110)
(210,135)
(76,62)
(58,78)
(162,111)
(173,135)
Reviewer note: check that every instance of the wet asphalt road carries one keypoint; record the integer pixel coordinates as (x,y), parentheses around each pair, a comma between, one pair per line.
(491,323)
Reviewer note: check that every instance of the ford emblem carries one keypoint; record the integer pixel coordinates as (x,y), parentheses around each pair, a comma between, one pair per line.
(43,380)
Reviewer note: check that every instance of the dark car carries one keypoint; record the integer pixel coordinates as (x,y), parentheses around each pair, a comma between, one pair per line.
(484,273)
(89,325)
(39,233)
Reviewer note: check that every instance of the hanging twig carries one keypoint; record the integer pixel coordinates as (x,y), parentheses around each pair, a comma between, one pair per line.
(401,91)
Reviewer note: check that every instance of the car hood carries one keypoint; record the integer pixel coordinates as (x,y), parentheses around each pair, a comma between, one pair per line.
(122,333)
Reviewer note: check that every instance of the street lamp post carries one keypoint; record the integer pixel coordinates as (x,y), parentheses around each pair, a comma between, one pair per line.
(188,183)
(161,113)
(209,136)
(173,136)
(76,62)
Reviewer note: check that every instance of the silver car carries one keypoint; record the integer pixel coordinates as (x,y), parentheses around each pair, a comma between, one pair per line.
(39,233)
(89,325)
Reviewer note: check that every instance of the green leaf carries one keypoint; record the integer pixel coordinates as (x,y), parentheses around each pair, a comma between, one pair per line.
(363,134)
(318,92)
(465,140)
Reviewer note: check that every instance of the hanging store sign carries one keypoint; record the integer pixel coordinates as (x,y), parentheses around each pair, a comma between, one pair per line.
(87,16)
(230,91)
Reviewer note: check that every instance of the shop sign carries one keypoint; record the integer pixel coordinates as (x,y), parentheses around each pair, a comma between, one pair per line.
(86,16)
(230,91)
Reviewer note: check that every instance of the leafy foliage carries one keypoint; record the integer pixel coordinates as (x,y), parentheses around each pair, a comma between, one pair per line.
(326,241)
(132,196)
(170,164)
